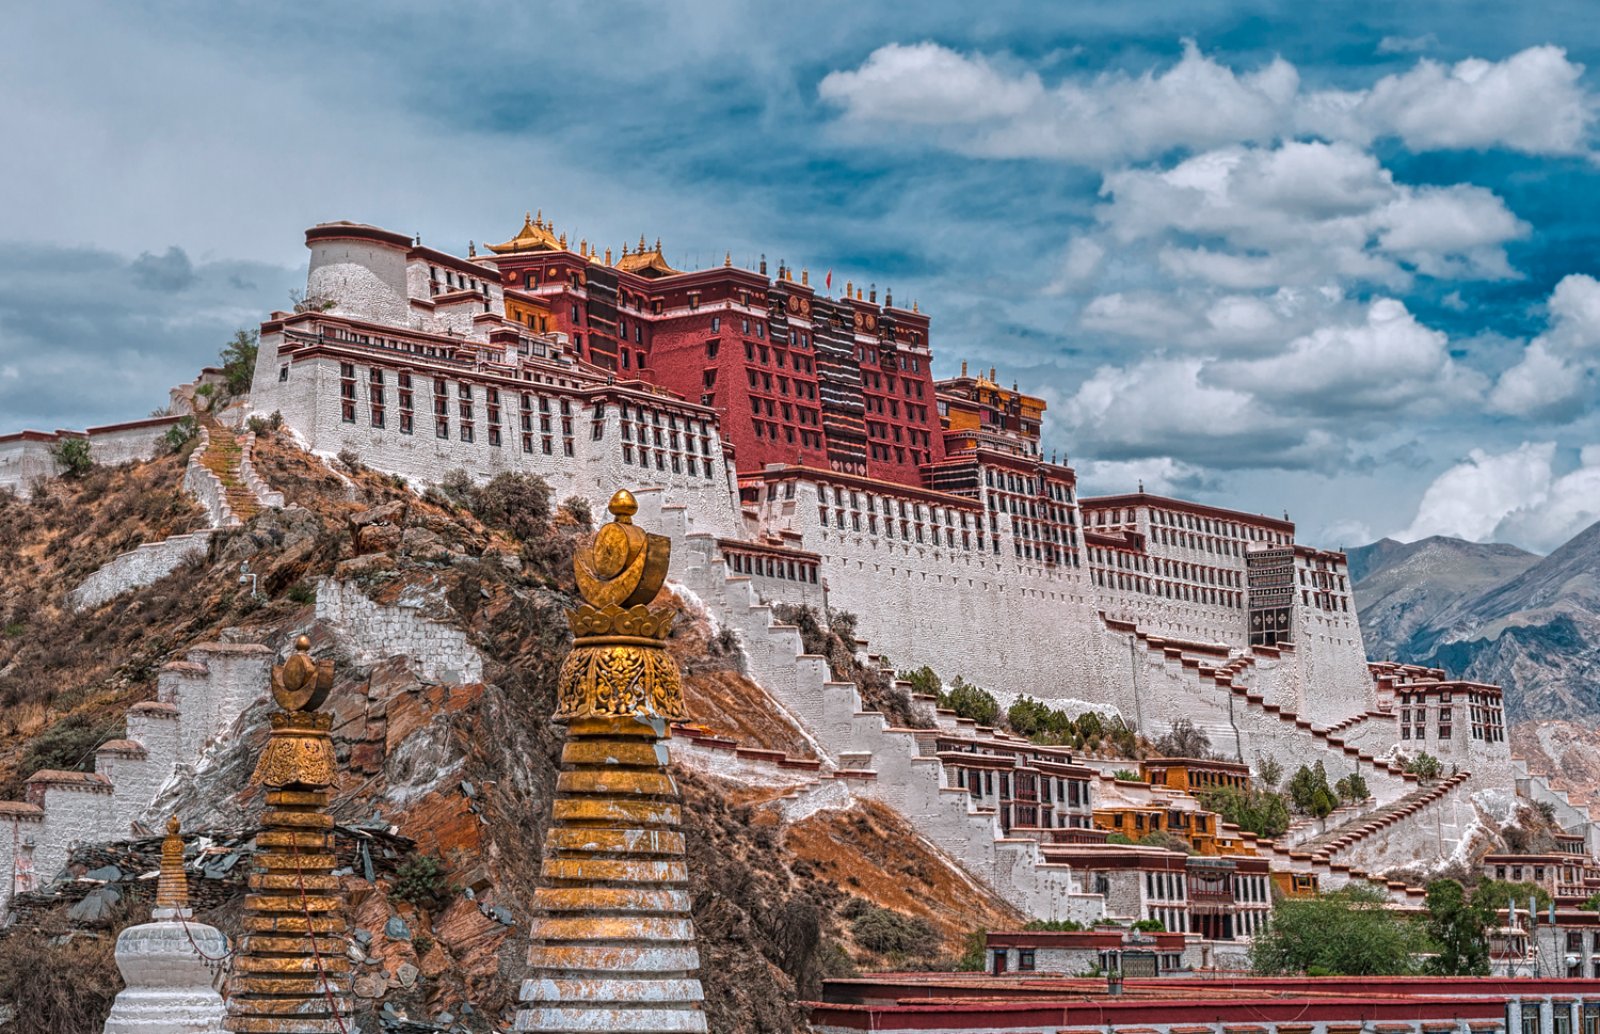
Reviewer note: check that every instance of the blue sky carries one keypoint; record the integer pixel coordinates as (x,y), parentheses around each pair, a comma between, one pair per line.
(1338,261)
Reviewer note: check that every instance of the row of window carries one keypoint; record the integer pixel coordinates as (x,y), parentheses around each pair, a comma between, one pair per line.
(772,567)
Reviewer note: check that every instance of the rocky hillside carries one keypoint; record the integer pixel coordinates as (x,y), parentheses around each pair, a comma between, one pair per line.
(446,788)
(1402,587)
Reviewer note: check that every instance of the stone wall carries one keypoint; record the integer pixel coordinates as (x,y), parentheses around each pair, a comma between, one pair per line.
(144,565)
(28,455)
(436,651)
(199,700)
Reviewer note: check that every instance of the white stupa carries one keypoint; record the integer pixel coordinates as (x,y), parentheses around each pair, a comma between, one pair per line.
(172,965)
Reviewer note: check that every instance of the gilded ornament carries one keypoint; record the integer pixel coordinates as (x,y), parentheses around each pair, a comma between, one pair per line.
(618,666)
(301,684)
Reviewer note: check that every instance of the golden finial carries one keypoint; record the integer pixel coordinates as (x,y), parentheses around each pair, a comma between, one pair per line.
(563,242)
(301,684)
(641,244)
(658,245)
(805,277)
(624,249)
(727,258)
(618,666)
(914,306)
(608,256)
(539,220)
(583,247)
(172,887)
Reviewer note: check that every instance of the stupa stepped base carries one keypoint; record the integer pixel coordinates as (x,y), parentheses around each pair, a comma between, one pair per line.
(614,948)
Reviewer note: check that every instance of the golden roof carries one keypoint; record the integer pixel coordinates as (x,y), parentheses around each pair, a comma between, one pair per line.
(647,262)
(535,235)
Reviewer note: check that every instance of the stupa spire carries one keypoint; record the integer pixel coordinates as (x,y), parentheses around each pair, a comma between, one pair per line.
(615,948)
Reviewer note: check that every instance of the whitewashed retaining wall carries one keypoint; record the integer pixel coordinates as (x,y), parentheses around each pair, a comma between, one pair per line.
(437,652)
(144,565)
(199,699)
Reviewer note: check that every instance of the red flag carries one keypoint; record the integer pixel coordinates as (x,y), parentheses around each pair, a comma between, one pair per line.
(829,282)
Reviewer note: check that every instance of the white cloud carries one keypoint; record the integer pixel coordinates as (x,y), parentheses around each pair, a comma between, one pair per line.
(1387,361)
(1558,373)
(987,110)
(1471,498)
(1514,496)
(1307,213)
(1532,101)
(1407,44)
(1162,475)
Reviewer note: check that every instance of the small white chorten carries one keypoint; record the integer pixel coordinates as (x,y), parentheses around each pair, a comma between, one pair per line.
(172,966)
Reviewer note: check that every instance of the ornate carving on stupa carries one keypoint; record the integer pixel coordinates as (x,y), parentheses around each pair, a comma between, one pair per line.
(172,965)
(614,947)
(291,971)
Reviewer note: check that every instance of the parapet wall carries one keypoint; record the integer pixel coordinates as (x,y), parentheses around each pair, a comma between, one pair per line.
(28,455)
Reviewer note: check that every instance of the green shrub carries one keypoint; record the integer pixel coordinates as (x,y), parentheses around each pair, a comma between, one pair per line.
(578,511)
(884,931)
(72,456)
(1425,766)
(302,592)
(970,701)
(180,434)
(1261,812)
(422,880)
(923,680)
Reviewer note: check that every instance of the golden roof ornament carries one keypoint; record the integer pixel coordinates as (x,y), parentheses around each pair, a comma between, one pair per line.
(619,666)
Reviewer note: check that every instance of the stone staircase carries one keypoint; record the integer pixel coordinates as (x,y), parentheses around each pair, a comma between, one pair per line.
(222,478)
(1342,839)
(1242,717)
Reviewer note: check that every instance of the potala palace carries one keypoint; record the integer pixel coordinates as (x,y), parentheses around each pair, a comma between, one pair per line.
(791,440)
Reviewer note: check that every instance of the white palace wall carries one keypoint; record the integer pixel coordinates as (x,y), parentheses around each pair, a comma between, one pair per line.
(1009,625)
(310,404)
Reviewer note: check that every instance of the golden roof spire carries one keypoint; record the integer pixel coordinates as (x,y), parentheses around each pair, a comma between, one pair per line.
(563,242)
(727,258)
(534,236)
(641,242)
(172,888)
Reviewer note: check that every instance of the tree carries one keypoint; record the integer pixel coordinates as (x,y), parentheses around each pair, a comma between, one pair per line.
(1184,740)
(1309,790)
(72,456)
(1497,894)
(1425,766)
(1458,927)
(239,361)
(1269,770)
(1126,775)
(1261,812)
(1352,788)
(923,680)
(1350,932)
(970,701)
(1591,905)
